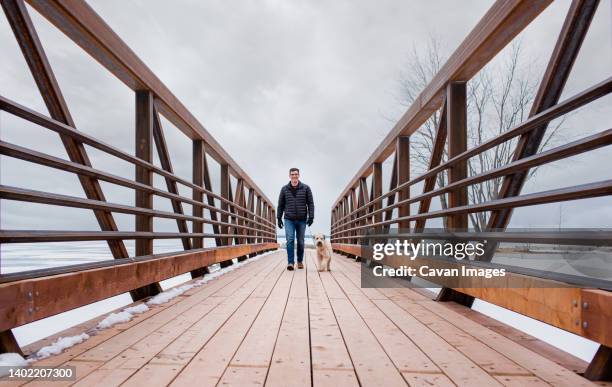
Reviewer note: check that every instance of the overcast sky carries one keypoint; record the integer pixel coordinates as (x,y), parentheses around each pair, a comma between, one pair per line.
(279,84)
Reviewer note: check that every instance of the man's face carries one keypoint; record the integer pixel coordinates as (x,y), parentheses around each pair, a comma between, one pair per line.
(294,176)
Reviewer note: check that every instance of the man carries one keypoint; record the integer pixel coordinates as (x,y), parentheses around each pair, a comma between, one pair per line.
(295,200)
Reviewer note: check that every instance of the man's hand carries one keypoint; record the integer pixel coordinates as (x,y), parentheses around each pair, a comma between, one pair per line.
(309,221)
(280,222)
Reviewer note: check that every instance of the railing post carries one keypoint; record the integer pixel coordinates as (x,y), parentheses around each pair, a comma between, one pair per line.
(225,193)
(402,157)
(456,124)
(198,179)
(224,187)
(258,223)
(457,143)
(353,208)
(377,190)
(144,151)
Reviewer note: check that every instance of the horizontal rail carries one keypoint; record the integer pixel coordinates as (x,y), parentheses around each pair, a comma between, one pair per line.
(589,95)
(60,128)
(30,236)
(577,237)
(584,191)
(32,196)
(563,151)
(16,151)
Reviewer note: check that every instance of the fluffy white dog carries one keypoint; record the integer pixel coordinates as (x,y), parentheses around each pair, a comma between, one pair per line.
(324,252)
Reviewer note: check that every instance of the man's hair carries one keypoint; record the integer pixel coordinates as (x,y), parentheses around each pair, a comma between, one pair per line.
(294,169)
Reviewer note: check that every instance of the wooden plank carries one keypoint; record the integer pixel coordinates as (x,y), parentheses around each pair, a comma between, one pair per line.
(87,286)
(542,348)
(331,363)
(372,364)
(460,369)
(290,364)
(552,302)
(250,364)
(406,356)
(543,368)
(207,367)
(476,351)
(108,343)
(122,357)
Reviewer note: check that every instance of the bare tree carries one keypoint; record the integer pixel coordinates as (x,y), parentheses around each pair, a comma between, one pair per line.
(499,98)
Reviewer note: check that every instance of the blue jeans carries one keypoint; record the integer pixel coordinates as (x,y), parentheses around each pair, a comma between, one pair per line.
(293,227)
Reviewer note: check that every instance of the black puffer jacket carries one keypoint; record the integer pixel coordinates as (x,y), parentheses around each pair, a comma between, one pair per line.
(296,203)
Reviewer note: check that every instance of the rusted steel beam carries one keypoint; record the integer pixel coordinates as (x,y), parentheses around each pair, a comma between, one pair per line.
(35,56)
(166,164)
(198,158)
(225,189)
(456,118)
(144,151)
(502,22)
(8,343)
(600,368)
(566,50)
(402,155)
(376,190)
(59,293)
(143,199)
(353,207)
(87,29)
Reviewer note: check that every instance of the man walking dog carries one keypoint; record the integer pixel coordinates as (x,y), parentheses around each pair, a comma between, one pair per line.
(295,201)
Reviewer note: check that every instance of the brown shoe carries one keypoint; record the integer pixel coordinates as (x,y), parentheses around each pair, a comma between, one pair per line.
(300,265)
(290,267)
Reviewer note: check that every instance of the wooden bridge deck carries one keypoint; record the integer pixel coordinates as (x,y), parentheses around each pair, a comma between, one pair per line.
(263,325)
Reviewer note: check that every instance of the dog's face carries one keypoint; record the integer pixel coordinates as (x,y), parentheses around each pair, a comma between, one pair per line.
(319,240)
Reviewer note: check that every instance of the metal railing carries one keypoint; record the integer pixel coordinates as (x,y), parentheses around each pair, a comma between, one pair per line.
(242,219)
(361,208)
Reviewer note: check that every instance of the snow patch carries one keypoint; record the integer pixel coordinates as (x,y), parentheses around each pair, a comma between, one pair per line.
(59,345)
(137,309)
(113,319)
